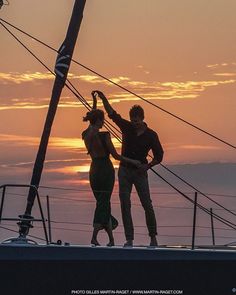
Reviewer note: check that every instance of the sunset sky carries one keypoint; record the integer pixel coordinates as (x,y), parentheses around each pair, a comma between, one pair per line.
(180,55)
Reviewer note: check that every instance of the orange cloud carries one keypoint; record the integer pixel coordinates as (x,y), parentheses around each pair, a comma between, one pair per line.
(144,70)
(55,142)
(71,169)
(15,77)
(212,66)
(150,91)
(18,78)
(72,143)
(91,79)
(169,90)
(19,140)
(223,64)
(225,74)
(96,79)
(199,147)
(40,103)
(175,146)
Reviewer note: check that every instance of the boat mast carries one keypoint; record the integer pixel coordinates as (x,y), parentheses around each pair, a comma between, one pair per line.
(61,69)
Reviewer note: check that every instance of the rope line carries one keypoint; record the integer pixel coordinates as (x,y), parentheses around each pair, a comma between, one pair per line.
(121,232)
(143,226)
(135,226)
(83,102)
(200,192)
(77,94)
(160,192)
(117,203)
(18,233)
(126,89)
(216,216)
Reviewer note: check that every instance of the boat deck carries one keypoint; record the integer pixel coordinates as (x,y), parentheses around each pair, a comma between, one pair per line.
(74,269)
(18,252)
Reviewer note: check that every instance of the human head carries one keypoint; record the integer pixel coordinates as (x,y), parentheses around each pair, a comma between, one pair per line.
(136,115)
(95,117)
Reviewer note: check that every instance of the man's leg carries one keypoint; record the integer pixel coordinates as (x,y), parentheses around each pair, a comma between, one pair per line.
(125,188)
(142,187)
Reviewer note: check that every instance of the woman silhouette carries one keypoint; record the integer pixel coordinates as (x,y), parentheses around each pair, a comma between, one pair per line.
(102,173)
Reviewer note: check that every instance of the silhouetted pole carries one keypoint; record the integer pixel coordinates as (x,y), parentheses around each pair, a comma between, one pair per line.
(61,69)
(49,220)
(194,220)
(212,228)
(2,202)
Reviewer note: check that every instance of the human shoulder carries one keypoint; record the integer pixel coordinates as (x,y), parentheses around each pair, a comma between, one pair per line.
(84,133)
(151,132)
(90,132)
(153,136)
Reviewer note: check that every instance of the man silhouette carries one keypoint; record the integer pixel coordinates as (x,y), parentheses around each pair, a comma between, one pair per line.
(137,141)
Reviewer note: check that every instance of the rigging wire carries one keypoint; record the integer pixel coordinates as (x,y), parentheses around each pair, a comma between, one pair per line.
(200,192)
(193,187)
(117,203)
(143,226)
(71,87)
(82,100)
(125,89)
(79,97)
(121,232)
(108,125)
(159,192)
(216,216)
(3,227)
(136,226)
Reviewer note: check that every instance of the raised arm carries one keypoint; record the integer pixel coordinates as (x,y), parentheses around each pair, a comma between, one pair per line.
(105,101)
(118,157)
(123,124)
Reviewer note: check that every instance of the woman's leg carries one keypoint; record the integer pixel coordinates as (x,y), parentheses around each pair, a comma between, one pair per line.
(102,178)
(96,229)
(108,229)
(97,221)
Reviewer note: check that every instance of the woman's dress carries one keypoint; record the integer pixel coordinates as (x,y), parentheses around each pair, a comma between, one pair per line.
(102,179)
